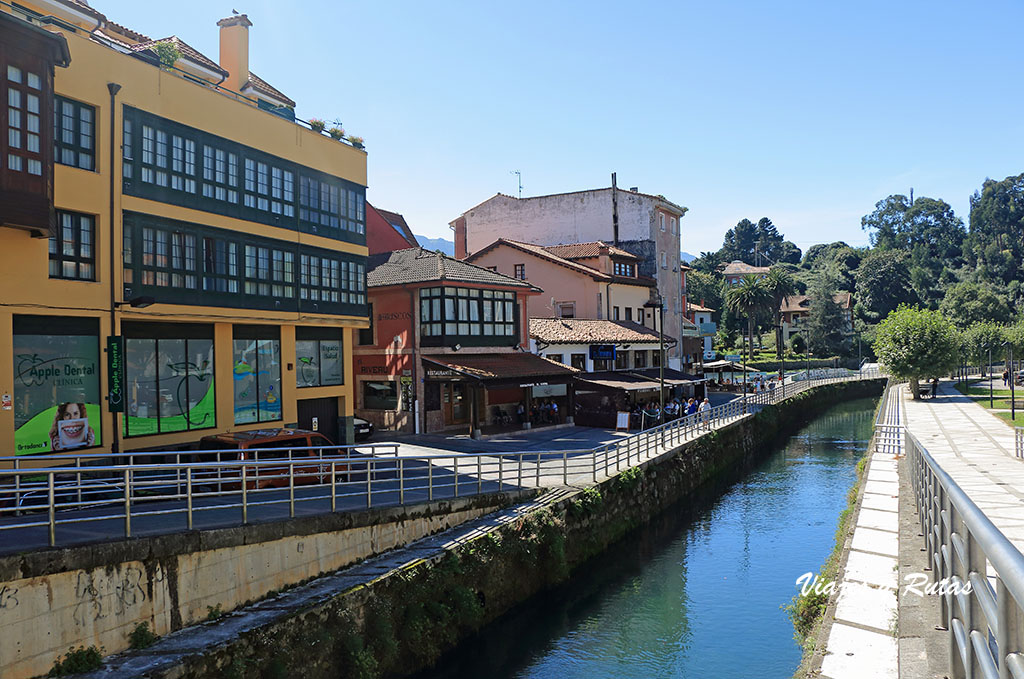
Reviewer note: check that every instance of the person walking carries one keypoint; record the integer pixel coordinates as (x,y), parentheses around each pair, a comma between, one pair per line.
(705,412)
(1006,376)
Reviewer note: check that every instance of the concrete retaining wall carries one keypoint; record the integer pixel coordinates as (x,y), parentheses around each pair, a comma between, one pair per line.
(97,594)
(394,623)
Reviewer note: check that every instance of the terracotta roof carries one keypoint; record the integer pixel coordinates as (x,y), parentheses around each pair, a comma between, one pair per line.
(511,365)
(260,85)
(586,331)
(126,32)
(416,265)
(587,250)
(738,268)
(187,52)
(542,252)
(698,307)
(398,221)
(798,303)
(82,6)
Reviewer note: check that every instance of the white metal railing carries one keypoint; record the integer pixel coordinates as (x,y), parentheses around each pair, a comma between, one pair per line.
(1018,441)
(123,490)
(986,635)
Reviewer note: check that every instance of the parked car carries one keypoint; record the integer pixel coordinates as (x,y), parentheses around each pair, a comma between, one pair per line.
(278,444)
(362,428)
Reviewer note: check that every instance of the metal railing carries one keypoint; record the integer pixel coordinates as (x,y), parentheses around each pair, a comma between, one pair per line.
(1018,441)
(965,548)
(137,491)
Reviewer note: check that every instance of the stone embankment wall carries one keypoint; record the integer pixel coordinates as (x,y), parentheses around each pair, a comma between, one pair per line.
(96,594)
(401,621)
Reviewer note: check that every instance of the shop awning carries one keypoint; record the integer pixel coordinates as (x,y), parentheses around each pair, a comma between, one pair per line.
(717,366)
(672,377)
(513,368)
(618,380)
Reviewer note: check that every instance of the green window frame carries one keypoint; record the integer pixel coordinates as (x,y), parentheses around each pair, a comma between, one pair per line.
(173,163)
(469,316)
(72,248)
(181,262)
(74,133)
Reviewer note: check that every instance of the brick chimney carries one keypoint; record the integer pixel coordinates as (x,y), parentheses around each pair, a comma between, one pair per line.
(234,50)
(459,226)
(604,259)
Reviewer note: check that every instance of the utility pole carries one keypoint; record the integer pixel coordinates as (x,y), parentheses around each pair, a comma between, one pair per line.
(615,212)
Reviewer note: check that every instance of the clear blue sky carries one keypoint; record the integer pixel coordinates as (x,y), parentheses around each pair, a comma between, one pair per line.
(804,112)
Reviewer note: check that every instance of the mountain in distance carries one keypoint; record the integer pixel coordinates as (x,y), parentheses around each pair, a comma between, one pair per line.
(685,256)
(441,244)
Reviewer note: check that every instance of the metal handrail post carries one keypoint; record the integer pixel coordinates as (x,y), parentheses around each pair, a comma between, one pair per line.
(479,474)
(127,504)
(52,518)
(401,480)
(538,469)
(369,481)
(291,489)
(245,496)
(456,476)
(188,495)
(430,481)
(334,488)
(565,467)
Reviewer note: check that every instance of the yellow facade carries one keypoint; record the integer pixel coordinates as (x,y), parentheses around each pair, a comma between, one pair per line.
(29,290)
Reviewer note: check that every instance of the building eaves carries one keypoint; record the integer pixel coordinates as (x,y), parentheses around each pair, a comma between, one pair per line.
(588,250)
(398,221)
(542,253)
(588,331)
(187,52)
(260,85)
(417,265)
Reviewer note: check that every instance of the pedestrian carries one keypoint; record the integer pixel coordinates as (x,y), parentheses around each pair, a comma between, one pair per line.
(705,410)
(521,413)
(691,406)
(1006,377)
(935,386)
(554,412)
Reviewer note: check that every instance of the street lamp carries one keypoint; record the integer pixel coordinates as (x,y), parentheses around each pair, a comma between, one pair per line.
(989,368)
(659,304)
(1013,409)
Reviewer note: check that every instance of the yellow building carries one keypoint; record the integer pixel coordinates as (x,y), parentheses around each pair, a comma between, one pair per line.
(193,233)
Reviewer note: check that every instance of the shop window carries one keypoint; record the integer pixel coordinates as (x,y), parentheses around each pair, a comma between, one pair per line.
(382,395)
(318,357)
(621,360)
(579,361)
(169,382)
(639,359)
(256,357)
(57,403)
(602,364)
(72,253)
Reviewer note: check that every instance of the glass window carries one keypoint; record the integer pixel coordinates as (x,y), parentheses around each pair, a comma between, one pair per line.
(579,361)
(257,370)
(169,385)
(639,359)
(318,362)
(24,122)
(72,252)
(554,357)
(621,360)
(381,395)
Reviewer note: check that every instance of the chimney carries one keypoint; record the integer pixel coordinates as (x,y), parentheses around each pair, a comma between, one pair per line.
(459,226)
(604,260)
(234,50)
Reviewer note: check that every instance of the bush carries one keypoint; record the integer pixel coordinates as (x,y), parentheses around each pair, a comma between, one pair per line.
(77,660)
(142,636)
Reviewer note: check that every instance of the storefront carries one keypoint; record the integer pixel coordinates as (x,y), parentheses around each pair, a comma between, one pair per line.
(484,392)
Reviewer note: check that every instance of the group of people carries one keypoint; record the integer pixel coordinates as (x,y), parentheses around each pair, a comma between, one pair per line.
(646,413)
(544,411)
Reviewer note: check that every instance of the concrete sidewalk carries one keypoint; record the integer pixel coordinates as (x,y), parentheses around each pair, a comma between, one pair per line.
(977,450)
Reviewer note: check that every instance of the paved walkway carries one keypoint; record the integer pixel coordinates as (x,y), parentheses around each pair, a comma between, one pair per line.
(977,450)
(861,642)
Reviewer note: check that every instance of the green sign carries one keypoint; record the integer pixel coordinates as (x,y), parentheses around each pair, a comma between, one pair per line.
(56,393)
(115,374)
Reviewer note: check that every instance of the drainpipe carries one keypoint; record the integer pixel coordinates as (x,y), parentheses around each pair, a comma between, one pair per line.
(415,372)
(615,212)
(113,88)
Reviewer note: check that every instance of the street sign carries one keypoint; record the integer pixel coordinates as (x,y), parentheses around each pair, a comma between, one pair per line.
(733,357)
(115,374)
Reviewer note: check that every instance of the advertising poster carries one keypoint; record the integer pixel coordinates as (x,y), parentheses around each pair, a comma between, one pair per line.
(56,393)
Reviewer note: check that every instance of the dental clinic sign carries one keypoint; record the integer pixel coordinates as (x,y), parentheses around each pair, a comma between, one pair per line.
(56,393)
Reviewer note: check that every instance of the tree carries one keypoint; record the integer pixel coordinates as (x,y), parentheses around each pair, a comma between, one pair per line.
(797,343)
(704,289)
(883,283)
(979,338)
(826,324)
(913,343)
(967,303)
(995,244)
(739,242)
(780,285)
(750,298)
(789,253)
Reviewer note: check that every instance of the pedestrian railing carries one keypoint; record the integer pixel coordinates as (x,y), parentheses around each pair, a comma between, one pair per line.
(216,488)
(1018,441)
(979,572)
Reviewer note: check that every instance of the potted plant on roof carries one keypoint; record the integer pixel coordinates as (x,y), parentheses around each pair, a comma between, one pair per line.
(168,53)
(336,133)
(317,125)
(356,141)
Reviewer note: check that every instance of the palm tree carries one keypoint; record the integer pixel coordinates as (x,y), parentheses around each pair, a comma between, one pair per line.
(750,298)
(780,285)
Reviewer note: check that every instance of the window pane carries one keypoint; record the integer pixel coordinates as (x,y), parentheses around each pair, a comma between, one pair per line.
(331,362)
(140,380)
(245,367)
(269,379)
(201,402)
(172,376)
(307,363)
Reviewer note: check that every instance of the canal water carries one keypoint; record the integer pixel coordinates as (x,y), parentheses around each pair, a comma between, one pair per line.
(698,592)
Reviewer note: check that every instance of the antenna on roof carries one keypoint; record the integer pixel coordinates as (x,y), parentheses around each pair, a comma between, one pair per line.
(519,174)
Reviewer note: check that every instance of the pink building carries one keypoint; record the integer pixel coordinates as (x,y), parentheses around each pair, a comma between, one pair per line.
(582,280)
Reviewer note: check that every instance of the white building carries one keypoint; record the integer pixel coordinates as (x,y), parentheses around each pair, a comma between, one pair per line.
(646,225)
(707,328)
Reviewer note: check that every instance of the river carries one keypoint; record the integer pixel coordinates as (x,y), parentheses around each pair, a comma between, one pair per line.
(698,592)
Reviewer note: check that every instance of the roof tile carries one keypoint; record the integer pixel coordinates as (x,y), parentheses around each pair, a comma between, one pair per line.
(416,265)
(587,331)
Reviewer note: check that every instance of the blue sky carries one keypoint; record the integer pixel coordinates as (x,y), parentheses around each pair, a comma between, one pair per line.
(804,112)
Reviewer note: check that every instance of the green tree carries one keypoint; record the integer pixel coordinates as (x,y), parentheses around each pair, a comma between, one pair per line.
(797,343)
(780,285)
(752,299)
(704,288)
(967,303)
(883,283)
(995,245)
(826,325)
(739,242)
(978,338)
(914,343)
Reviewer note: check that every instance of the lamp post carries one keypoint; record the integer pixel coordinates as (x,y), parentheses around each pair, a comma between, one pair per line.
(659,304)
(1013,410)
(989,376)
